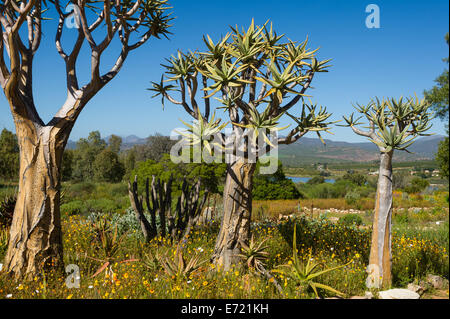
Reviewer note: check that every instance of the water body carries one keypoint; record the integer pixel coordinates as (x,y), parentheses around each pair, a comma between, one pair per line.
(296,179)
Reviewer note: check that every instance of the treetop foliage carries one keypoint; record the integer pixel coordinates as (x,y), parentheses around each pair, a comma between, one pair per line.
(255,74)
(439,94)
(393,123)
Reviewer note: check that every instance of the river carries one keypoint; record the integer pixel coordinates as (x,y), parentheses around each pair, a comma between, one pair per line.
(297,179)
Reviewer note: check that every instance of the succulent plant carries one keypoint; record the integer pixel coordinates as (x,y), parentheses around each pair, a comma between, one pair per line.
(305,274)
(254,254)
(178,266)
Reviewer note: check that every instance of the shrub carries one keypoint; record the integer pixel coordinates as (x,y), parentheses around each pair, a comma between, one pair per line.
(73,208)
(352,197)
(80,189)
(351,219)
(104,205)
(266,189)
(401,218)
(355,178)
(316,180)
(417,185)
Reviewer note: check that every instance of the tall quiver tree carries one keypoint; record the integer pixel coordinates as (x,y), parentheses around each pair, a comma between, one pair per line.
(258,79)
(35,239)
(393,125)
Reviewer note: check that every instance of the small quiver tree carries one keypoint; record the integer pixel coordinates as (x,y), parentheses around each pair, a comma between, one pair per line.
(256,78)
(393,125)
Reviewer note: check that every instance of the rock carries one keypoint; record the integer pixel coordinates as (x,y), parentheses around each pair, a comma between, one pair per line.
(416,288)
(437,282)
(425,285)
(398,294)
(1,267)
(359,297)
(368,295)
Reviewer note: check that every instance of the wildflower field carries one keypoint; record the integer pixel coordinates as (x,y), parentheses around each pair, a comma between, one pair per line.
(115,262)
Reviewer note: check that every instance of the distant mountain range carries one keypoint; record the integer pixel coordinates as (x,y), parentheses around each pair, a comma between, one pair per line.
(311,150)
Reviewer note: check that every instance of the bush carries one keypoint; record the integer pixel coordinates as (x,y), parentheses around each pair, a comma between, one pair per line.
(266,189)
(355,178)
(401,218)
(104,205)
(351,219)
(73,208)
(417,185)
(316,180)
(80,189)
(326,190)
(352,197)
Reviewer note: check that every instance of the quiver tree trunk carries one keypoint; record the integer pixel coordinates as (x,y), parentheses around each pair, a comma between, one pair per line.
(380,260)
(237,206)
(35,236)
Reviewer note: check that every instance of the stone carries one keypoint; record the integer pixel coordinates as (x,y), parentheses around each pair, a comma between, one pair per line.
(416,288)
(437,282)
(398,294)
(368,295)
(358,297)
(425,285)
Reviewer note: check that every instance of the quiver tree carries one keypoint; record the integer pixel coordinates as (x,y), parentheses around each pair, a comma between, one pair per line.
(393,125)
(158,198)
(36,232)
(256,78)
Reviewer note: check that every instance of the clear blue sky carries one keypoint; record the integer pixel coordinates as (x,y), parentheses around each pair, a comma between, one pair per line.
(403,57)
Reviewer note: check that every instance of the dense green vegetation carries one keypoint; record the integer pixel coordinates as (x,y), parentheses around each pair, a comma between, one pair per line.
(438,96)
(274,186)
(9,156)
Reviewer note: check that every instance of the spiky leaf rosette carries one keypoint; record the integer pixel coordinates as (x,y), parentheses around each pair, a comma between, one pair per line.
(250,72)
(393,124)
(202,132)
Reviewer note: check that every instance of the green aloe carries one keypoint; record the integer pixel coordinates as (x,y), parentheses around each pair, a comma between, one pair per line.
(305,274)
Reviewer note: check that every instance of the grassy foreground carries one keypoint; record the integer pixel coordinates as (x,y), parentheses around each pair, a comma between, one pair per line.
(134,269)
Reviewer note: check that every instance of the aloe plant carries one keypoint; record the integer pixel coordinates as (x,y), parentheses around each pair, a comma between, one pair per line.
(257,77)
(393,124)
(107,237)
(254,254)
(303,274)
(178,266)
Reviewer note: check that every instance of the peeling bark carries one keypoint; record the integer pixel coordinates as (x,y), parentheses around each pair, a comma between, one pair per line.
(35,235)
(235,227)
(380,260)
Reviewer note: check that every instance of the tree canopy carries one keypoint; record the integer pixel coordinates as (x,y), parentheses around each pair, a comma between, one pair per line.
(256,75)
(438,95)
